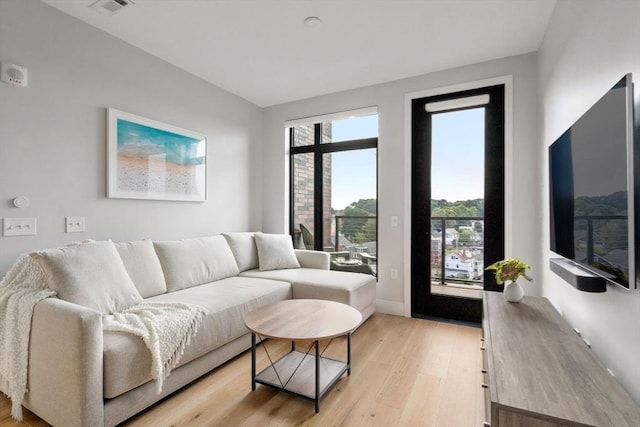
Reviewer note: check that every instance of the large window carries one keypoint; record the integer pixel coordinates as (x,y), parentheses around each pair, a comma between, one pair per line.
(334,188)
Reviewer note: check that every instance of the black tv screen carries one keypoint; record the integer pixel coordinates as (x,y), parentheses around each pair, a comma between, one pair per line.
(591,169)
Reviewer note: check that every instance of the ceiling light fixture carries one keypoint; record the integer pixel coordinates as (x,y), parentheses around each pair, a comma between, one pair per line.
(312,22)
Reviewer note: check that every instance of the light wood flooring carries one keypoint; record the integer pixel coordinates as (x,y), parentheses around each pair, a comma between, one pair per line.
(405,372)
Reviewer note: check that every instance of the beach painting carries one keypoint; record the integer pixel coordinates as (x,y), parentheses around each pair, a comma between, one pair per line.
(153,160)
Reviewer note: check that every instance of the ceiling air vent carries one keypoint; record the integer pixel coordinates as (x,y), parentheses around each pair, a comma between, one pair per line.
(109,7)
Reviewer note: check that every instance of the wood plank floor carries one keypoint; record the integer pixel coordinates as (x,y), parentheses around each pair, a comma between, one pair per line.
(406,372)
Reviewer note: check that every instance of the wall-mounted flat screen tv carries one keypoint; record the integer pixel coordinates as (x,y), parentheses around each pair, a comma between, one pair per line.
(592,189)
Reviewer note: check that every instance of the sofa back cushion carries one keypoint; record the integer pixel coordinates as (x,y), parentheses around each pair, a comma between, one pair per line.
(143,266)
(192,262)
(243,246)
(90,274)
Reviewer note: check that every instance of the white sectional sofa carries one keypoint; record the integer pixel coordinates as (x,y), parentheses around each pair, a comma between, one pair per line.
(81,376)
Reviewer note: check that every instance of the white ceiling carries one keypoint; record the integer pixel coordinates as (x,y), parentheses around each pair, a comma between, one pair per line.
(262,51)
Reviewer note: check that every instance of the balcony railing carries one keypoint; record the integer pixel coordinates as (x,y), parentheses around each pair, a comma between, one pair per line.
(612,229)
(359,233)
(355,243)
(457,250)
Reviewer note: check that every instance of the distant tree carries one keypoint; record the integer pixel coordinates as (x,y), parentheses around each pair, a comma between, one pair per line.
(438,203)
(613,204)
(358,230)
(611,233)
(368,205)
(465,236)
(468,208)
(367,233)
(462,208)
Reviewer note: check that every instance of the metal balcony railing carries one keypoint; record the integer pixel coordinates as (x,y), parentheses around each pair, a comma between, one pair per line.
(459,236)
(355,244)
(616,234)
(357,234)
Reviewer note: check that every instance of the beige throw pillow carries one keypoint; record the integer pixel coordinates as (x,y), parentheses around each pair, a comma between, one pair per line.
(89,274)
(275,251)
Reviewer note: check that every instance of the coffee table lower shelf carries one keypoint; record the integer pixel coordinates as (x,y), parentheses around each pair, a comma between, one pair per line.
(303,374)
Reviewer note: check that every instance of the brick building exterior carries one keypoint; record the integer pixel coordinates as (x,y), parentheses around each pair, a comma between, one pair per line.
(303,182)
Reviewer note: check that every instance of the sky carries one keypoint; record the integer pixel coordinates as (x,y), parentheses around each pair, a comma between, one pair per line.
(457,155)
(354,177)
(457,158)
(354,172)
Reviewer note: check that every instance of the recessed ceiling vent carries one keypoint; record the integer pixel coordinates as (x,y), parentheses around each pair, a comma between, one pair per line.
(109,7)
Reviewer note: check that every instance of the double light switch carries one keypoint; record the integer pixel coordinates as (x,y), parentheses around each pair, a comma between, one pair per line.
(74,224)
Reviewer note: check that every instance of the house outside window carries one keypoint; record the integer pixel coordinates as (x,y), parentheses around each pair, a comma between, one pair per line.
(333,187)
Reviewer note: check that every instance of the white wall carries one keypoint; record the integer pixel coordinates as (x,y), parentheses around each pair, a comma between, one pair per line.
(588,47)
(393,162)
(53,135)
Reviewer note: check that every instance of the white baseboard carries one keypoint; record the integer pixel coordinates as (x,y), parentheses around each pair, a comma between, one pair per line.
(390,307)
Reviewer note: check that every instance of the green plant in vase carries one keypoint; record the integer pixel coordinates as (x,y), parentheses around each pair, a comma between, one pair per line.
(508,271)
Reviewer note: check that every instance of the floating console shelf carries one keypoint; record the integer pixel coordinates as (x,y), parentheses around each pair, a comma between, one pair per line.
(577,276)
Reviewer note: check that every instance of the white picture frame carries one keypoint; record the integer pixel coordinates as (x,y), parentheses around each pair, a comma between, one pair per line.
(148,159)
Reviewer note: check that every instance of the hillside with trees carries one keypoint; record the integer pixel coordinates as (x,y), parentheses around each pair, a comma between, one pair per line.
(360,228)
(609,220)
(462,208)
(468,208)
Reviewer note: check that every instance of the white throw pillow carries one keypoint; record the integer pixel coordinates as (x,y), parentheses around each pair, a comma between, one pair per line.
(243,246)
(192,262)
(90,274)
(275,251)
(143,266)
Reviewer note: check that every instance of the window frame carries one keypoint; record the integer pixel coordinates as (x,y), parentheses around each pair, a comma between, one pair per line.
(319,149)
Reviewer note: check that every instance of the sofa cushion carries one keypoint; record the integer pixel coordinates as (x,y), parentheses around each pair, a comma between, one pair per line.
(90,274)
(275,251)
(192,262)
(243,246)
(357,290)
(143,266)
(127,363)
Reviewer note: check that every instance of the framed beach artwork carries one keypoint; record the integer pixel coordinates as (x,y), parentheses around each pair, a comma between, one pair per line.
(154,160)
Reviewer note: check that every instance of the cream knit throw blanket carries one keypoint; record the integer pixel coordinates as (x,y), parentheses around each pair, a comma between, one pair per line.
(165,327)
(20,290)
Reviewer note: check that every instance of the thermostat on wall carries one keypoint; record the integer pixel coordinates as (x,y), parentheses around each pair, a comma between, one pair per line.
(13,74)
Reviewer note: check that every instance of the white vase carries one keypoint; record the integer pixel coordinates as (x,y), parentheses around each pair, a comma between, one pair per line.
(513,292)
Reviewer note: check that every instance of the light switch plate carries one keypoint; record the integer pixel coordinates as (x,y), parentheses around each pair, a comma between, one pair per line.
(75,224)
(19,227)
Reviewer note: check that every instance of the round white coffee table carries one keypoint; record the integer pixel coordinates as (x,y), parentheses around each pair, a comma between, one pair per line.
(302,319)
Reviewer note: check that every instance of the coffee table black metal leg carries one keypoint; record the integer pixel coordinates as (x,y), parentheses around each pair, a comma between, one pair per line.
(253,361)
(349,354)
(317,377)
